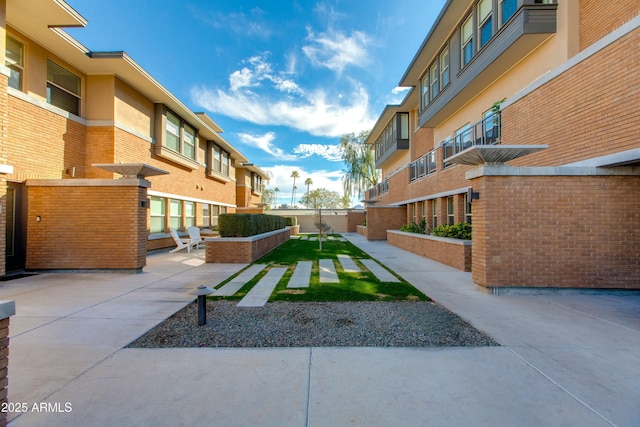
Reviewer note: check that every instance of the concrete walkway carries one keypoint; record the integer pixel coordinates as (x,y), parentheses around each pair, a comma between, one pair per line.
(301,275)
(259,294)
(327,271)
(566,359)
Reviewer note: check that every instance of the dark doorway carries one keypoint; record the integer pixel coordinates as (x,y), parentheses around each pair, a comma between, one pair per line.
(16,227)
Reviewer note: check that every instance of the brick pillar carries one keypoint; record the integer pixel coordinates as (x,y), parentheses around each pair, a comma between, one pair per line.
(7,309)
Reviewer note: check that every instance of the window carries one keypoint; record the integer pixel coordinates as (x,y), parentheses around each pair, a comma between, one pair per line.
(506,9)
(189,214)
(423,212)
(157,223)
(415,209)
(434,80)
(467,40)
(425,90)
(485,24)
(189,142)
(206,215)
(463,138)
(450,217)
(444,68)
(434,212)
(256,183)
(215,212)
(172,132)
(403,120)
(467,209)
(63,88)
(175,214)
(15,61)
(220,160)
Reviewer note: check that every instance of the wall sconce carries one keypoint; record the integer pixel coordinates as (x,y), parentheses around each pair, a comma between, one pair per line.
(472,195)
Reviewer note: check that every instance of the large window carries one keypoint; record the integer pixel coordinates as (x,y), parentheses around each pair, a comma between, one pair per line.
(485,22)
(175,214)
(434,79)
(467,209)
(15,61)
(158,215)
(444,68)
(206,215)
(179,136)
(256,183)
(220,160)
(63,88)
(434,212)
(425,90)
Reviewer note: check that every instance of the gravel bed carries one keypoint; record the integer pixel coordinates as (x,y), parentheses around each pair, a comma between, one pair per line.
(316,324)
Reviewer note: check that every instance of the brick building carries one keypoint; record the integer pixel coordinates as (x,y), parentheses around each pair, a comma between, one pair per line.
(532,109)
(99,159)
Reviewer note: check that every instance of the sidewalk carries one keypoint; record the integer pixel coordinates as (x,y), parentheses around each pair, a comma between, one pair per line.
(565,360)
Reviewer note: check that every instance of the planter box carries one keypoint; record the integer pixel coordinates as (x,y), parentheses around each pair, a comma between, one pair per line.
(243,249)
(452,252)
(295,229)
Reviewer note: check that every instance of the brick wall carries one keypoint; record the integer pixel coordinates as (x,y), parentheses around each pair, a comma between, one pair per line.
(599,18)
(244,249)
(557,231)
(577,118)
(86,224)
(451,252)
(354,219)
(381,219)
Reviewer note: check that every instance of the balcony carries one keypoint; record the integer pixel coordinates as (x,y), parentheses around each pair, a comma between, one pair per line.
(393,140)
(380,188)
(532,23)
(485,132)
(425,165)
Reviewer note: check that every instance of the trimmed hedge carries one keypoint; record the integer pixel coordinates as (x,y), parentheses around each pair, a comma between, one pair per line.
(461,230)
(244,225)
(291,220)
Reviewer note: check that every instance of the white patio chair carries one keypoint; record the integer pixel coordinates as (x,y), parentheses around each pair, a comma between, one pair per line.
(180,242)
(194,235)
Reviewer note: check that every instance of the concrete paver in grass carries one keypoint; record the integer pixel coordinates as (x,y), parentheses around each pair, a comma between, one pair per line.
(260,293)
(348,265)
(381,273)
(301,275)
(328,272)
(313,239)
(235,284)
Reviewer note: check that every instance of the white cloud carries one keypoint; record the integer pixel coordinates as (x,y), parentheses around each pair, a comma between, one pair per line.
(330,152)
(315,114)
(397,95)
(238,23)
(335,50)
(265,143)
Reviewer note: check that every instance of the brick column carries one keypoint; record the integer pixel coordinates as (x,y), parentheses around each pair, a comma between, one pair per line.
(7,309)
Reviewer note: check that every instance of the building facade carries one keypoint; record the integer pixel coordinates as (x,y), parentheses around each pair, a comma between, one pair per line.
(99,159)
(522,119)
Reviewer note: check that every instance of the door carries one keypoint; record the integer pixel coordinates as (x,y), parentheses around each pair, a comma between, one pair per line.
(16,233)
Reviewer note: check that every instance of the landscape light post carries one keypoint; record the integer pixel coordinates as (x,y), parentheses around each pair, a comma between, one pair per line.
(202,291)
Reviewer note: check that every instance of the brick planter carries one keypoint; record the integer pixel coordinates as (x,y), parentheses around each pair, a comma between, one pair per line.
(295,229)
(452,252)
(244,249)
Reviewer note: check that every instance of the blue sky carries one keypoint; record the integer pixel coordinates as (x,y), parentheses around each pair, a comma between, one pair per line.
(283,79)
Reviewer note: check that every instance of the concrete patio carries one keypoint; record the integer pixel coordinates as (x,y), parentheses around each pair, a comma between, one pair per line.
(564,360)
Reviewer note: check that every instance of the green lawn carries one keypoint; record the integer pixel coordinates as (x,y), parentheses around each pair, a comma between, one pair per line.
(361,286)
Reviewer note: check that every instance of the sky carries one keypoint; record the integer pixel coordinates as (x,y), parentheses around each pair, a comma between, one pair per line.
(283,79)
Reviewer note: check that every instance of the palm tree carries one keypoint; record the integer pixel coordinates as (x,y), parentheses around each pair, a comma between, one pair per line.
(276,190)
(308,182)
(294,175)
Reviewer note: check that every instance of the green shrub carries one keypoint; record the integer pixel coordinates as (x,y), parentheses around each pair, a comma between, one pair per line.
(291,221)
(415,228)
(244,225)
(461,230)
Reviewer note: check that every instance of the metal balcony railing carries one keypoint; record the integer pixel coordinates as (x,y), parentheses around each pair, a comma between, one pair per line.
(423,166)
(485,132)
(380,188)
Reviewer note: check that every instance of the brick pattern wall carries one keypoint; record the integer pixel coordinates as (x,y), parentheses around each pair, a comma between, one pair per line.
(599,18)
(354,219)
(577,118)
(89,227)
(379,220)
(226,250)
(456,255)
(554,231)
(4,365)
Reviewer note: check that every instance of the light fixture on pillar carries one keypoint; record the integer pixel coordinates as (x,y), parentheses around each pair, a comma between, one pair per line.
(472,195)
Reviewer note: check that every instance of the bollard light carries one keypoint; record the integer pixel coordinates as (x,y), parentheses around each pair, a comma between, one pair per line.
(202,291)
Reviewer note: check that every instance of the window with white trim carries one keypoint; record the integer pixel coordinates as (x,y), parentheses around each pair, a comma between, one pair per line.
(450,211)
(467,209)
(179,136)
(434,79)
(175,214)
(425,90)
(466,37)
(189,214)
(158,215)
(206,215)
(220,160)
(14,60)
(63,88)
(434,212)
(444,68)
(485,22)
